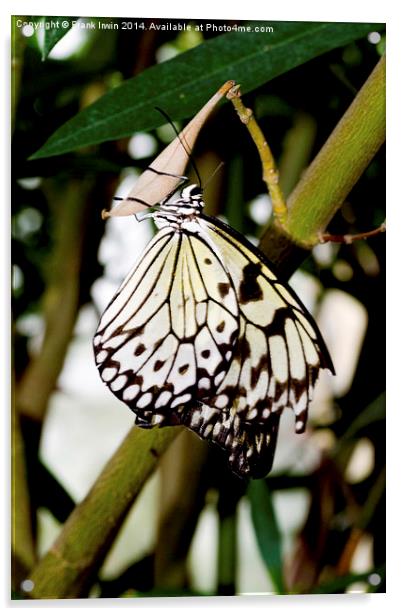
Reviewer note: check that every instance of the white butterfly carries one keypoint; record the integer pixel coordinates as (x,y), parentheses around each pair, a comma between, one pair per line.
(203,333)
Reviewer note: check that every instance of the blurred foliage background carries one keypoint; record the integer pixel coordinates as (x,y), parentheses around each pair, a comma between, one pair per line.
(317,522)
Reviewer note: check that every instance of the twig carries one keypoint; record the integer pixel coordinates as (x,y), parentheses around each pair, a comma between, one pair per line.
(361,524)
(349,238)
(269,170)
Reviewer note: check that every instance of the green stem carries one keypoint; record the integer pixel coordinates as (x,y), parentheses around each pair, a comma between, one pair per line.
(340,163)
(67,570)
(22,543)
(60,300)
(227,548)
(296,153)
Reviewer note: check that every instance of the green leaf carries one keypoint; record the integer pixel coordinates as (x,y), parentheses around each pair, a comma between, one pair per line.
(340,584)
(372,413)
(182,85)
(267,531)
(54,33)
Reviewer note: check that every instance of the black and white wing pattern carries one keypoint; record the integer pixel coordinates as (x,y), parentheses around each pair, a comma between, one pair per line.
(168,336)
(278,356)
(203,333)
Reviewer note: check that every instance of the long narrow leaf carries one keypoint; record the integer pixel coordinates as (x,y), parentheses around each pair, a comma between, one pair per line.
(267,531)
(181,85)
(340,584)
(54,33)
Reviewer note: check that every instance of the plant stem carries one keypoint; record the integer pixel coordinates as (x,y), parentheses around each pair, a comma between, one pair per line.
(340,162)
(330,177)
(22,543)
(60,300)
(270,173)
(67,570)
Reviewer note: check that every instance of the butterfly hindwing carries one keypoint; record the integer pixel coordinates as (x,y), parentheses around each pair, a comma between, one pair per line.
(280,348)
(275,365)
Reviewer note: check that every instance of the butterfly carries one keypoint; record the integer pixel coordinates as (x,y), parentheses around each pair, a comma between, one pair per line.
(203,333)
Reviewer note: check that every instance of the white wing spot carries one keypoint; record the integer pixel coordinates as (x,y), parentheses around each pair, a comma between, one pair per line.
(181,400)
(144,400)
(131,392)
(204,383)
(163,399)
(219,378)
(195,418)
(299,425)
(101,356)
(279,358)
(108,374)
(118,383)
(201,313)
(208,430)
(252,414)
(221,401)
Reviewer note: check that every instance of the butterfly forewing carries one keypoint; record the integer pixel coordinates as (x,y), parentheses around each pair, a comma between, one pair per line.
(169,334)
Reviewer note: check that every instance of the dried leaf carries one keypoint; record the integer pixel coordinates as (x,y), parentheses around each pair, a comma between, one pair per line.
(165,173)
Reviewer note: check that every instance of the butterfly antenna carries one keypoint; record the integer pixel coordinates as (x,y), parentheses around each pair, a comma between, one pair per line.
(213,174)
(183,142)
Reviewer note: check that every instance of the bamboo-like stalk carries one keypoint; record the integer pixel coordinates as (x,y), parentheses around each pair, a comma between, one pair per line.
(328,180)
(32,392)
(340,162)
(22,543)
(66,570)
(60,302)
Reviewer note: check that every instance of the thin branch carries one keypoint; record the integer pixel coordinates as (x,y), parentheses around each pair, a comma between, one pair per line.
(328,180)
(361,523)
(270,172)
(349,238)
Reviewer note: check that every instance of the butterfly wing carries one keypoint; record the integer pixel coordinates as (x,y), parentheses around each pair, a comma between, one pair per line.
(277,360)
(202,332)
(167,337)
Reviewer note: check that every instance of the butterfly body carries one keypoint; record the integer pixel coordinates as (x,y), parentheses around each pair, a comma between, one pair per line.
(203,333)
